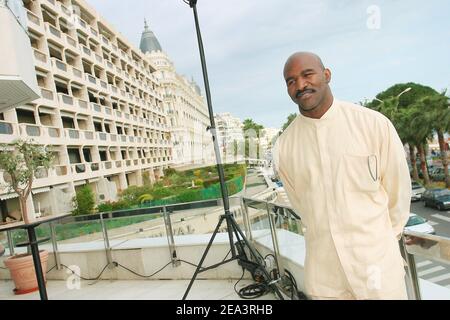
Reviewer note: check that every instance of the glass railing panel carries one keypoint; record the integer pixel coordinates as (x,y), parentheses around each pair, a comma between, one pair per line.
(258,220)
(431,259)
(79,231)
(143,223)
(195,218)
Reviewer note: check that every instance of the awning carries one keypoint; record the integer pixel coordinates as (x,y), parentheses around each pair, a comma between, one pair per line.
(40,190)
(79,183)
(61,186)
(8,196)
(94,180)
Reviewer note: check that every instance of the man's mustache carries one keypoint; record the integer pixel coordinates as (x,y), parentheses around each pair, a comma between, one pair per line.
(302,92)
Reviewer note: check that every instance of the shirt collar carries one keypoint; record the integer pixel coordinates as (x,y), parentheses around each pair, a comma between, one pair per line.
(331,113)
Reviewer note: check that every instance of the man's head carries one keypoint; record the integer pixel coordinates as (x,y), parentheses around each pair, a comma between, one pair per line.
(307,82)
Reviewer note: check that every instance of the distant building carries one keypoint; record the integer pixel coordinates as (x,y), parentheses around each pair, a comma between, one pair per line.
(107,110)
(230,136)
(187,111)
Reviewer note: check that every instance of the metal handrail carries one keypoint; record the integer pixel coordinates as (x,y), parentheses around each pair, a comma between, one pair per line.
(411,243)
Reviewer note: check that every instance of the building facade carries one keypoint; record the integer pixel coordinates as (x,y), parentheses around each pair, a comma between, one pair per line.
(188,116)
(101,110)
(230,136)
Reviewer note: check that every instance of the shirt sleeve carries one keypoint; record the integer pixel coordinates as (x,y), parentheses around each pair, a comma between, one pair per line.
(280,174)
(395,178)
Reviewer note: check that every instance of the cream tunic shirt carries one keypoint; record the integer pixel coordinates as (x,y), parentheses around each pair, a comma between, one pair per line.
(346,175)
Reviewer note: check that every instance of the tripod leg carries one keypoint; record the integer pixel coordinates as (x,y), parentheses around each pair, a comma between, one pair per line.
(203,257)
(253,252)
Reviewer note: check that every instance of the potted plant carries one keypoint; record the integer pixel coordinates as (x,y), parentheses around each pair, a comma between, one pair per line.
(20,162)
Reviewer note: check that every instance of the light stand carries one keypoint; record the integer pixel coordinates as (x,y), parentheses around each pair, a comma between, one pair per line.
(232,226)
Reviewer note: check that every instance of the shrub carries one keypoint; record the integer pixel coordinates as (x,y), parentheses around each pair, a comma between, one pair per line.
(161,192)
(131,194)
(198,173)
(169,171)
(189,196)
(198,182)
(84,201)
(146,178)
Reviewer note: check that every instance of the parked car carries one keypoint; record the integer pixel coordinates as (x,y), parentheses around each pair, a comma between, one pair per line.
(437,198)
(439,174)
(417,191)
(419,224)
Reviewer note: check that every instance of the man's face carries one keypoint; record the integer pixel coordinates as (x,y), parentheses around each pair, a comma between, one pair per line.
(307,81)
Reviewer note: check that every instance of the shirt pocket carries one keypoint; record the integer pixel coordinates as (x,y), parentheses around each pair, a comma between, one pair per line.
(361,172)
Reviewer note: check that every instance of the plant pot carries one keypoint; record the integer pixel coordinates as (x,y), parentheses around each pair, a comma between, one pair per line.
(23,273)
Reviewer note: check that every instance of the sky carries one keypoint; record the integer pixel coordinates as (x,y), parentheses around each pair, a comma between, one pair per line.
(368,45)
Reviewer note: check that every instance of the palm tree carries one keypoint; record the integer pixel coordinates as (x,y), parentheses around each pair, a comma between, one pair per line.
(438,117)
(417,125)
(408,115)
(145,198)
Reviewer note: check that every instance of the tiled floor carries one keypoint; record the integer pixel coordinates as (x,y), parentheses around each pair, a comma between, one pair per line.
(134,290)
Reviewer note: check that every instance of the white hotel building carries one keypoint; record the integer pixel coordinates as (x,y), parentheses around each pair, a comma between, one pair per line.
(188,116)
(102,109)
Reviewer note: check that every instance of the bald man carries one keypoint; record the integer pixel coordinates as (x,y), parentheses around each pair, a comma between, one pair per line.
(344,170)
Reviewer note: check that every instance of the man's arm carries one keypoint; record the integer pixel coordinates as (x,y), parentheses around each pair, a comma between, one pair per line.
(395,178)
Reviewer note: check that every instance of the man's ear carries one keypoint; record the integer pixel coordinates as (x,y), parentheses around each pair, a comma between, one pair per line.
(327,73)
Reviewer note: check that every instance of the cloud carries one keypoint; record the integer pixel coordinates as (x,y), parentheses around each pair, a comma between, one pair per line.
(247,42)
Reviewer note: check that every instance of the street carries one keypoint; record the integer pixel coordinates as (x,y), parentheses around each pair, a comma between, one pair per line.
(440,220)
(432,271)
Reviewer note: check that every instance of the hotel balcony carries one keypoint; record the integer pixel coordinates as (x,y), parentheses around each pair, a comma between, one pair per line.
(34,23)
(173,238)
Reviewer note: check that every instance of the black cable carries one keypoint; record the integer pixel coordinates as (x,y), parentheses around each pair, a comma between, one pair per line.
(226,255)
(140,275)
(51,268)
(86,279)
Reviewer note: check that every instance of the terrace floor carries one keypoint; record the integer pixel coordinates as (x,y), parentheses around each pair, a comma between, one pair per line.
(135,290)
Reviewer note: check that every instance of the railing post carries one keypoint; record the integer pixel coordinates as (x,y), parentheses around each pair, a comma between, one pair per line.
(276,248)
(170,239)
(106,241)
(10,242)
(55,245)
(246,219)
(413,282)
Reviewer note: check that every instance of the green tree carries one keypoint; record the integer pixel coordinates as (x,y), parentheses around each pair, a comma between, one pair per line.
(22,161)
(438,117)
(84,201)
(408,115)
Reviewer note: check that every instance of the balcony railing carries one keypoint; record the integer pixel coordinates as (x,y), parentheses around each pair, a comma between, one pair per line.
(78,168)
(40,56)
(54,132)
(6,128)
(102,136)
(88,135)
(32,130)
(47,94)
(95,166)
(73,134)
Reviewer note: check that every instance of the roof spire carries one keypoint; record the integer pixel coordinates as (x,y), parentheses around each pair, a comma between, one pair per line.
(145,24)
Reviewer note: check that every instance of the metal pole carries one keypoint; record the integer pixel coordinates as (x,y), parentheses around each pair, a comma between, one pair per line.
(55,246)
(246,219)
(37,262)
(10,242)
(276,248)
(106,241)
(170,239)
(411,272)
(223,187)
